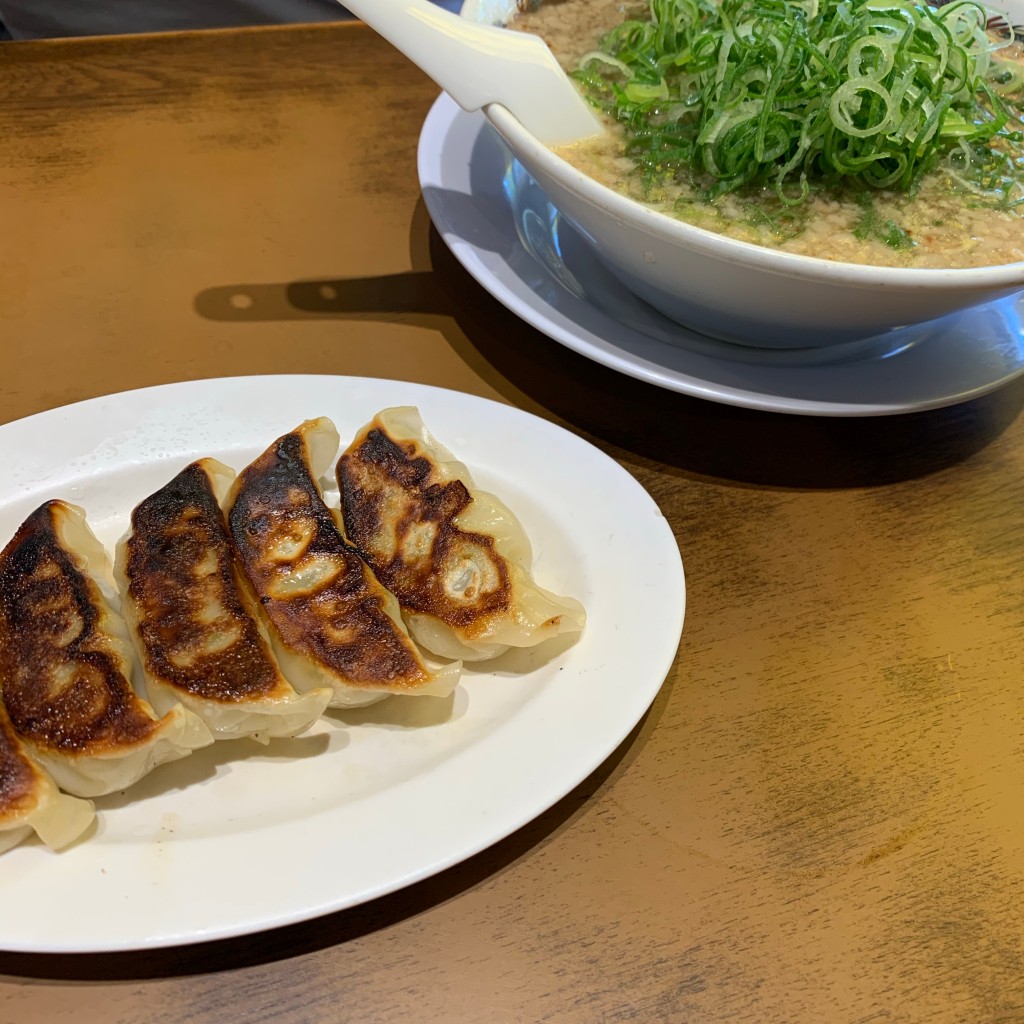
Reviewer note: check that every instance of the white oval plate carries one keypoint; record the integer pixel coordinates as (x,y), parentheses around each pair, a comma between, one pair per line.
(543,271)
(237,838)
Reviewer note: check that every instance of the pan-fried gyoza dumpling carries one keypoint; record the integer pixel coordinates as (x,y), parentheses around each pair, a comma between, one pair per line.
(30,801)
(66,662)
(331,622)
(456,558)
(193,620)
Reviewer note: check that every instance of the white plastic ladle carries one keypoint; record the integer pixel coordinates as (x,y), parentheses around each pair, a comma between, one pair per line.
(480,64)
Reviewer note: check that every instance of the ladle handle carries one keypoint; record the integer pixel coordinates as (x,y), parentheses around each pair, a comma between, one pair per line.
(482,64)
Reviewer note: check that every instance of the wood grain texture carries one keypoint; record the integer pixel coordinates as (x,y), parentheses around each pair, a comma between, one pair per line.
(821,817)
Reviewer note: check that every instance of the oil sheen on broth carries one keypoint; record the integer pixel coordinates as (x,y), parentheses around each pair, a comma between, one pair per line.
(946,231)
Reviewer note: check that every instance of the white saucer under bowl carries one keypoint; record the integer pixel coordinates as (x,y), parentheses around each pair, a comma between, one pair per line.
(502,229)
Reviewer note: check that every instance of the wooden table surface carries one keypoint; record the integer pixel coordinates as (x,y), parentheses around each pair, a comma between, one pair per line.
(820,818)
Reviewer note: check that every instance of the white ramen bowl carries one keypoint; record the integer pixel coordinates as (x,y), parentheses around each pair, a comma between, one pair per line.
(732,290)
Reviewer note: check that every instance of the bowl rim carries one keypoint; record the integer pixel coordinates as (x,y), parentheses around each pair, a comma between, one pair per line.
(746,254)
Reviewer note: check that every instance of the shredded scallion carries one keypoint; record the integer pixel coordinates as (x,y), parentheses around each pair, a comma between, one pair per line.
(792,94)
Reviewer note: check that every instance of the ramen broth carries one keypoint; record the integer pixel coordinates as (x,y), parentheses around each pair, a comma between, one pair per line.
(938,226)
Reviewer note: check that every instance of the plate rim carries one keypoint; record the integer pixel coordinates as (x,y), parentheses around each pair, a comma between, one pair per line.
(485,836)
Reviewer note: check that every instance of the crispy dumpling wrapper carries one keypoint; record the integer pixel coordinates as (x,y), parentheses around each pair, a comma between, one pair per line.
(456,558)
(66,663)
(193,620)
(331,622)
(30,800)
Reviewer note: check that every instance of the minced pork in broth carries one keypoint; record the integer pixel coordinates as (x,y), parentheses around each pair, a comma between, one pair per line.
(943,228)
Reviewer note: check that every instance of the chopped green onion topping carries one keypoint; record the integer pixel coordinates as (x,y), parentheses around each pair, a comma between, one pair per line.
(786,93)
